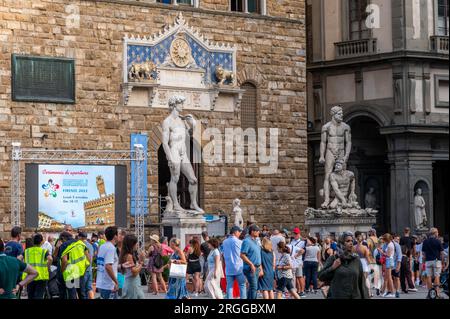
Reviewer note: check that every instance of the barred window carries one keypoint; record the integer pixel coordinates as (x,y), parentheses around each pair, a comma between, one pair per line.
(248,106)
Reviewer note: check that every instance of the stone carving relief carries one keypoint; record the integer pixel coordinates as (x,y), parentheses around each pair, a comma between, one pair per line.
(180,60)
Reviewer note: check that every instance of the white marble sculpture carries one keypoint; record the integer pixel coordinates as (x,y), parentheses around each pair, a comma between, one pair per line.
(419,210)
(237,211)
(370,199)
(340,199)
(175,129)
(335,144)
(343,184)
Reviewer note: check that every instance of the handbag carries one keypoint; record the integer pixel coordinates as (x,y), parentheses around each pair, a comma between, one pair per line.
(178,270)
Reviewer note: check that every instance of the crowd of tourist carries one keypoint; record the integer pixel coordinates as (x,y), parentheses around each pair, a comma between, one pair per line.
(248,263)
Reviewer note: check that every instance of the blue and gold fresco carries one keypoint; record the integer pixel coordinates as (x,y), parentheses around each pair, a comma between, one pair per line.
(207,60)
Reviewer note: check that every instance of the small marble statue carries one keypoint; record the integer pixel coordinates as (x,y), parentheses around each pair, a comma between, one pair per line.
(175,129)
(370,199)
(237,211)
(343,183)
(335,144)
(420,211)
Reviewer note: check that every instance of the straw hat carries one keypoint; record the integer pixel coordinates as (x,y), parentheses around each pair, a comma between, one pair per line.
(155,238)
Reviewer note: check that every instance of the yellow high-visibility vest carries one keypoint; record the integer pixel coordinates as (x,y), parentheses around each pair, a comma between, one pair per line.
(35,257)
(77,261)
(101,242)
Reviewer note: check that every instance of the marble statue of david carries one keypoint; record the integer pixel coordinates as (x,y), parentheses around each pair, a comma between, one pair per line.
(174,144)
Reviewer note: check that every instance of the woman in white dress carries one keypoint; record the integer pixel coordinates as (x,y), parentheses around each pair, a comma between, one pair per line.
(215,271)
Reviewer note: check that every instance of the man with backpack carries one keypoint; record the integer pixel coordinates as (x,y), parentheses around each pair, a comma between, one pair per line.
(297,250)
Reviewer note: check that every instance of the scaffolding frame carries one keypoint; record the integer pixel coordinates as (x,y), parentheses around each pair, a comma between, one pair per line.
(21,155)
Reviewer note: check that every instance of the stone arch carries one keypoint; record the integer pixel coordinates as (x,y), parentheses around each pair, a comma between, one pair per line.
(368,162)
(373,113)
(252,75)
(423,183)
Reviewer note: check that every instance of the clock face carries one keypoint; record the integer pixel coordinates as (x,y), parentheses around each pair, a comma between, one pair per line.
(180,52)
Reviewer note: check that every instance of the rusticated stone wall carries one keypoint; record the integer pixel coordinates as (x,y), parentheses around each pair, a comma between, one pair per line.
(270,53)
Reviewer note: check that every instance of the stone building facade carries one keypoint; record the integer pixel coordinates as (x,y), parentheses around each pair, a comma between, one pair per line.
(270,71)
(386,63)
(99,213)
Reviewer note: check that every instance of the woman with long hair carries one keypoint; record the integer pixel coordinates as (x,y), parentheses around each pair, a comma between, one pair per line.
(268,261)
(215,271)
(194,267)
(131,268)
(177,286)
(344,272)
(388,252)
(155,255)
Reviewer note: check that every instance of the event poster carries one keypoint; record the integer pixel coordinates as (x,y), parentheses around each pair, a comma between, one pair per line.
(76,195)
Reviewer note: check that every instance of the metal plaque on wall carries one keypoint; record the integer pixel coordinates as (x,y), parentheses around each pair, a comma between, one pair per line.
(43,79)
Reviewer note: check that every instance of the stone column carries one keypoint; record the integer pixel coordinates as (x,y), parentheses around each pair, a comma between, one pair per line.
(411,162)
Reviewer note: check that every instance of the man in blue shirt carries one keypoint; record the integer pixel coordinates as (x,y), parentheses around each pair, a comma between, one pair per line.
(397,263)
(233,262)
(251,255)
(13,248)
(434,258)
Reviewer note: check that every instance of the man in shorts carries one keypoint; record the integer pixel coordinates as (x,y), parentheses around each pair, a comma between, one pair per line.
(297,249)
(397,264)
(433,257)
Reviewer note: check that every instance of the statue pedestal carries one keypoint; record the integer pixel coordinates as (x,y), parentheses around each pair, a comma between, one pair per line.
(326,222)
(326,226)
(184,226)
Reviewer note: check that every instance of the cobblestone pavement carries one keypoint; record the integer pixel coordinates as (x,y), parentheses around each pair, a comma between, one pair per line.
(421,294)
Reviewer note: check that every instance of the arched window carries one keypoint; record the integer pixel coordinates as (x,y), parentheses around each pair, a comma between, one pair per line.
(248,106)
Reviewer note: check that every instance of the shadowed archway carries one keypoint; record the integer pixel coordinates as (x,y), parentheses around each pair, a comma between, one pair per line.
(368,160)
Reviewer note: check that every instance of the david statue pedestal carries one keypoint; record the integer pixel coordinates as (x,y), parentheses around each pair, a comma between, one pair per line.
(340,210)
(185,223)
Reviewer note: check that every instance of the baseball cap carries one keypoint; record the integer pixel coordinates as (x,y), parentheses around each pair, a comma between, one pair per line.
(296,230)
(235,229)
(253,228)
